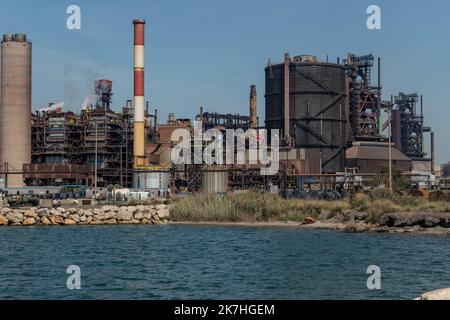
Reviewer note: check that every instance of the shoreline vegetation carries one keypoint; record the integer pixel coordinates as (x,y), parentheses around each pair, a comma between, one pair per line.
(378,211)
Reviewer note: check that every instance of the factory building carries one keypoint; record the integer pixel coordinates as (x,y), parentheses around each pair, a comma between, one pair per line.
(369,157)
(64,141)
(328,114)
(332,110)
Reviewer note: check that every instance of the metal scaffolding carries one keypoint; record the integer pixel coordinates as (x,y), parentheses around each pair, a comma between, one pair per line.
(409,125)
(107,137)
(228,121)
(364,98)
(103,92)
(66,138)
(56,138)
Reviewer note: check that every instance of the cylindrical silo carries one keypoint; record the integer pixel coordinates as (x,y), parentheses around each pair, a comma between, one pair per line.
(316,99)
(215,182)
(15,110)
(152,180)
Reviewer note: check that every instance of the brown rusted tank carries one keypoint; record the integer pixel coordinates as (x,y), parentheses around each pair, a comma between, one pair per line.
(15,115)
(308,96)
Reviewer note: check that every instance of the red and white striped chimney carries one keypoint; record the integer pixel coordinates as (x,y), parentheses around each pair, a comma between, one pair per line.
(139,94)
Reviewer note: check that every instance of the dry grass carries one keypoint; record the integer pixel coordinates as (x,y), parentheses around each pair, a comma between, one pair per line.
(250,207)
(380,201)
(255,206)
(381,206)
(360,202)
(436,207)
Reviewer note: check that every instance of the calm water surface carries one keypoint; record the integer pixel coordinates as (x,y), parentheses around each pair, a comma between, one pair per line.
(204,262)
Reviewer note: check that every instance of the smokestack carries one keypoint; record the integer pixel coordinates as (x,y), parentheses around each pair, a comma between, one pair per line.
(139,94)
(201,114)
(156,121)
(432,151)
(379,96)
(253,108)
(421,106)
(129,105)
(287,125)
(15,125)
(379,76)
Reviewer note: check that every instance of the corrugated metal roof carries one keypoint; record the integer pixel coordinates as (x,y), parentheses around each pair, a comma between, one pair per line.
(374,151)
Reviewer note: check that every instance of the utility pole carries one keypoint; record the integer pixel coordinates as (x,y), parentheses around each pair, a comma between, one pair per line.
(389,143)
(96,156)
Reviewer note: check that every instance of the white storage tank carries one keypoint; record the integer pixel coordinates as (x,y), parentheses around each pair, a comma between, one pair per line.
(151,180)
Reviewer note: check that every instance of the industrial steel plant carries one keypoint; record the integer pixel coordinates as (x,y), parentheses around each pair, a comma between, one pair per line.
(329,114)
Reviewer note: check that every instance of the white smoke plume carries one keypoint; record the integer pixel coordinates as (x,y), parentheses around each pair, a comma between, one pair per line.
(89,101)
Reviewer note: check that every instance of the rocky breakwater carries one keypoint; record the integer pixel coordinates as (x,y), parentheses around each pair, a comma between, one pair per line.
(406,219)
(105,215)
(433,223)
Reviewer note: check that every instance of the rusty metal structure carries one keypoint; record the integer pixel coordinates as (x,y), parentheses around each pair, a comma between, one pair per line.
(103,92)
(108,136)
(65,138)
(15,129)
(325,111)
(253,108)
(57,138)
(408,125)
(61,174)
(305,99)
(212,120)
(364,99)
(38,133)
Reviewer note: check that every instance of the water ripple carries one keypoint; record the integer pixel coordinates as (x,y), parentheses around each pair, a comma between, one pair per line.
(199,262)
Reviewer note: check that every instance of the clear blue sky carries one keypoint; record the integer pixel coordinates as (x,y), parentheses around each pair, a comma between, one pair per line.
(206,52)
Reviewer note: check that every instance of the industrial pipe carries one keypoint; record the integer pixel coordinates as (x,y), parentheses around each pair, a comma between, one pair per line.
(287,62)
(156,121)
(253,108)
(432,151)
